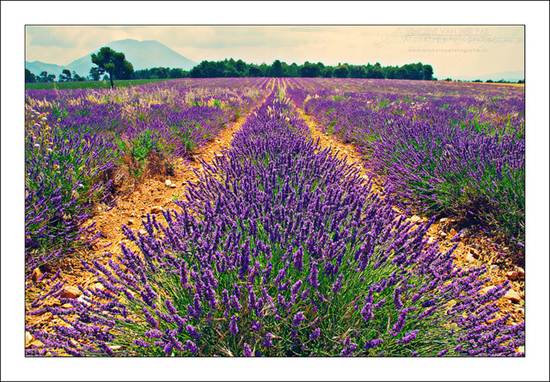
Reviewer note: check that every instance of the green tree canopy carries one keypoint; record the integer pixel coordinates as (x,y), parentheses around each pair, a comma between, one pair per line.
(239,68)
(341,71)
(310,70)
(45,77)
(276,69)
(29,76)
(65,76)
(95,73)
(114,63)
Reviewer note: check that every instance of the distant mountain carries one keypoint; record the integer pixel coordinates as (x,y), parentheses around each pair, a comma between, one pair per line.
(507,76)
(38,67)
(142,55)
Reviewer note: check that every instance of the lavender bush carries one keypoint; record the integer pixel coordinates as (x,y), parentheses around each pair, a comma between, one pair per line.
(281,250)
(444,149)
(76,140)
(66,174)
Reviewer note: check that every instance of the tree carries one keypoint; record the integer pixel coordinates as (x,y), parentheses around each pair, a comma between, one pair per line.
(94,73)
(310,70)
(45,77)
(291,70)
(29,76)
(239,68)
(77,77)
(65,76)
(428,72)
(327,72)
(376,71)
(254,71)
(230,71)
(341,71)
(276,69)
(177,73)
(357,71)
(114,63)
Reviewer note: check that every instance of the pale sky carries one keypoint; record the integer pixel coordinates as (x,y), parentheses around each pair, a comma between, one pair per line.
(455,51)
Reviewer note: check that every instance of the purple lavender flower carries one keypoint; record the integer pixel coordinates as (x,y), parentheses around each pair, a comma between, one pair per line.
(233,328)
(298,259)
(298,319)
(373,343)
(409,337)
(315,334)
(247,350)
(255,326)
(268,340)
(191,346)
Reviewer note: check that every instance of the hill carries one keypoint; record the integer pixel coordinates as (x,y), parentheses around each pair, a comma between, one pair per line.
(38,67)
(142,55)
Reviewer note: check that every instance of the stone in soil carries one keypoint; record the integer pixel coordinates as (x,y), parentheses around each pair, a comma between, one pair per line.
(157,209)
(513,296)
(470,257)
(36,274)
(70,292)
(415,219)
(471,252)
(28,338)
(515,275)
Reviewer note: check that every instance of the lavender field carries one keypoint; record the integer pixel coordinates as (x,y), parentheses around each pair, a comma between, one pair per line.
(220,217)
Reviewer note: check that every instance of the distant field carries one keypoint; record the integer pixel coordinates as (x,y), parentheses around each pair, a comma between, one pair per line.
(88,84)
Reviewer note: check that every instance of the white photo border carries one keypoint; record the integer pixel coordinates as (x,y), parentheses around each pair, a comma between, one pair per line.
(534,15)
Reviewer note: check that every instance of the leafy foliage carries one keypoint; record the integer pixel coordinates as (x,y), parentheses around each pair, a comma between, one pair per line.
(114,63)
(232,68)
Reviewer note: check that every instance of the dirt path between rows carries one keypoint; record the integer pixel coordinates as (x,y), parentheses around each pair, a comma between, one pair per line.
(471,251)
(152,196)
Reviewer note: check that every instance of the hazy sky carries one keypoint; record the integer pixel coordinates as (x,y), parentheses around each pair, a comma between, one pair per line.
(454,51)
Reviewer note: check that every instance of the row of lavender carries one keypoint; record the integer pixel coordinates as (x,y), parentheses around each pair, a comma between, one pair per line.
(81,144)
(281,250)
(444,149)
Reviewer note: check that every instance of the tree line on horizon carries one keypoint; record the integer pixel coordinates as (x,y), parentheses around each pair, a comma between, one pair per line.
(112,65)
(239,68)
